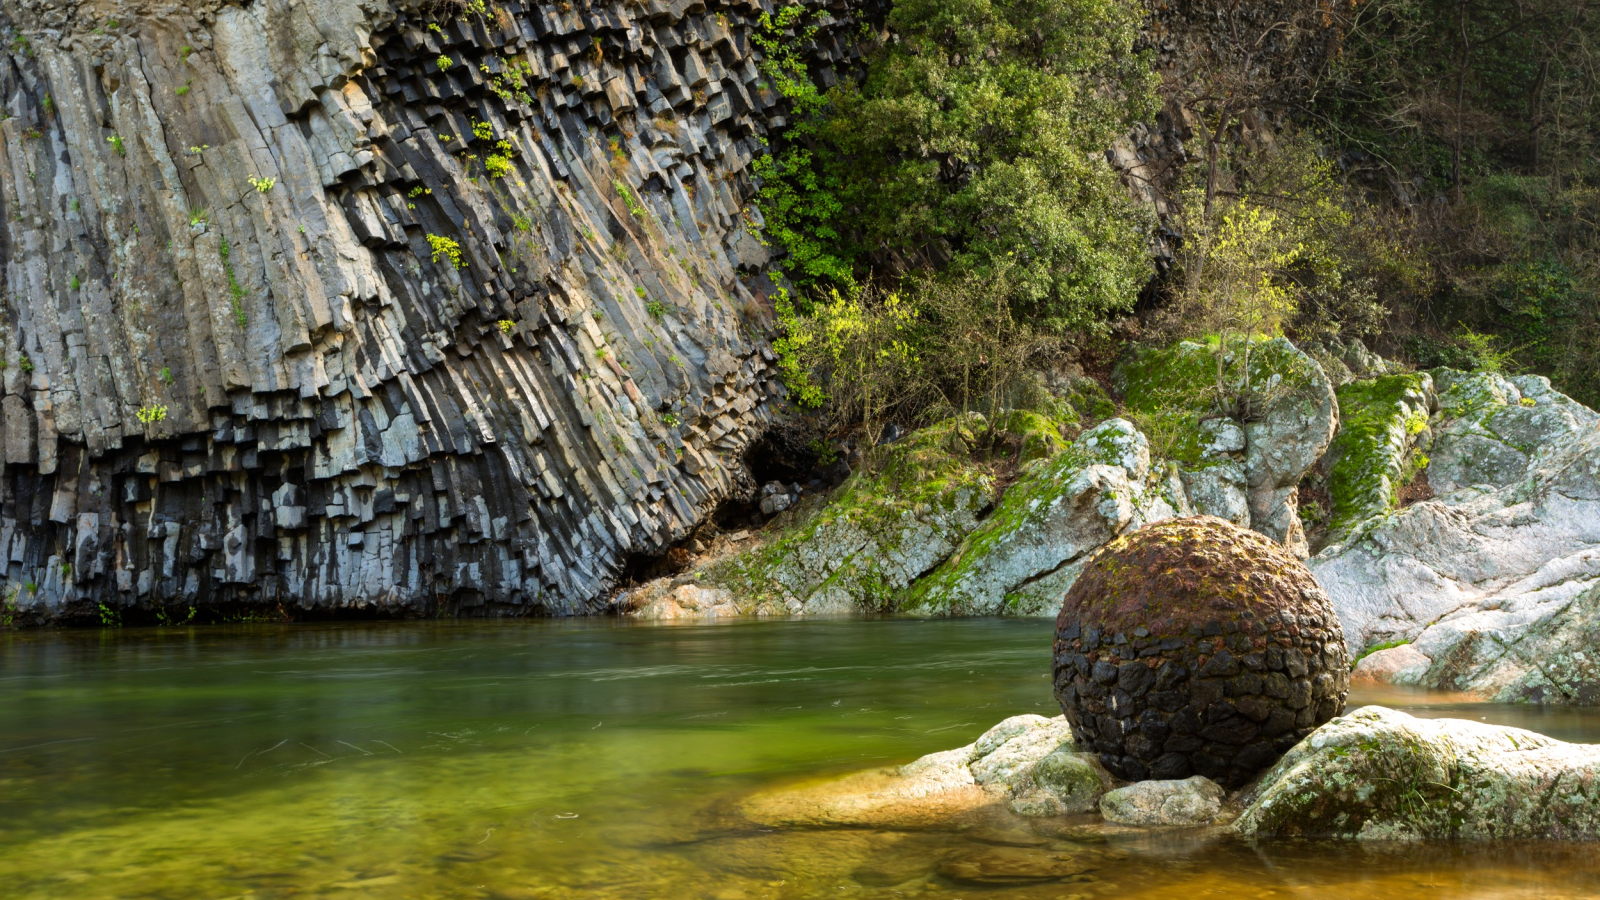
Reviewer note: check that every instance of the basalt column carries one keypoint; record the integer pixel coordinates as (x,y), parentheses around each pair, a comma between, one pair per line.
(348,304)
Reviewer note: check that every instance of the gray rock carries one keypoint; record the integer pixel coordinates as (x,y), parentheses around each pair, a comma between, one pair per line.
(1022,558)
(1286,438)
(256,246)
(1378,774)
(1064,782)
(1494,588)
(1196,800)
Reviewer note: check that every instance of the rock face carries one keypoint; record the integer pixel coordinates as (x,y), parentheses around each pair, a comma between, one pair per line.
(347,304)
(1196,800)
(1493,586)
(1380,774)
(1024,556)
(1194,646)
(1246,472)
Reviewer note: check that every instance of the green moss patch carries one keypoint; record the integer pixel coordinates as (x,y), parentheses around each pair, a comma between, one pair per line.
(1378,418)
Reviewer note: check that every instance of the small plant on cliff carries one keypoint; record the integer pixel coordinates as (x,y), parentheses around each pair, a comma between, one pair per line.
(635,208)
(444,62)
(9,610)
(262,185)
(151,414)
(418,191)
(447,248)
(116,142)
(656,308)
(236,292)
(183,89)
(506,325)
(496,165)
(74,283)
(483,131)
(166,375)
(24,363)
(109,618)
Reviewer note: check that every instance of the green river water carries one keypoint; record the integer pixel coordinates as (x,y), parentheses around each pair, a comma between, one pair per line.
(590,760)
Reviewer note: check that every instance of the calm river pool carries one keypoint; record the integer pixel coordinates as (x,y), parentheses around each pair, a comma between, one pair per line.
(590,760)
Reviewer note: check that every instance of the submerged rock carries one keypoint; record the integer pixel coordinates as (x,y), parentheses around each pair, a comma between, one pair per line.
(1493,586)
(1196,800)
(1381,774)
(1194,646)
(1027,763)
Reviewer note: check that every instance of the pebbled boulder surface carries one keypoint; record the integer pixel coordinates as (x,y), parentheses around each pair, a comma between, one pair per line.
(1378,774)
(412,307)
(1194,646)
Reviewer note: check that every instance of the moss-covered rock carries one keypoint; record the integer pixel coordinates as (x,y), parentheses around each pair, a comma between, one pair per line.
(1173,395)
(1492,425)
(1381,774)
(878,532)
(1193,646)
(1024,556)
(1381,421)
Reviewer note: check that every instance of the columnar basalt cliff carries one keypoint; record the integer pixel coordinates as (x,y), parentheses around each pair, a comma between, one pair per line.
(430,308)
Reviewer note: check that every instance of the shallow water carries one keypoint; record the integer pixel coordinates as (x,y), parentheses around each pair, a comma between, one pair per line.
(595,760)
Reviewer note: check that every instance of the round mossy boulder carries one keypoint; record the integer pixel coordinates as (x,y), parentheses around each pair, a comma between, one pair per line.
(1196,647)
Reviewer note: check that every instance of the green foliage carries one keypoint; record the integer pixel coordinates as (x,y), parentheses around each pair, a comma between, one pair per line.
(74,283)
(483,131)
(150,414)
(236,291)
(24,363)
(444,62)
(262,185)
(496,165)
(447,248)
(656,308)
(505,326)
(1465,349)
(109,617)
(635,208)
(978,132)
(166,375)
(116,144)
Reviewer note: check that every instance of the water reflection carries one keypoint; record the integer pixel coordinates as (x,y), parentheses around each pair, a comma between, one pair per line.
(524,760)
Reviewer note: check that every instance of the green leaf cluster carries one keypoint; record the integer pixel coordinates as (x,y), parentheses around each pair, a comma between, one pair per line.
(978,132)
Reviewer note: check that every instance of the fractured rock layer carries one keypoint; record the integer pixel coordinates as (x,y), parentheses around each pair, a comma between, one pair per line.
(344,304)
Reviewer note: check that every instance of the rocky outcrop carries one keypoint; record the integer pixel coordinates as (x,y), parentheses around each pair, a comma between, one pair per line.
(439,307)
(1383,431)
(879,531)
(1493,586)
(1379,774)
(1026,554)
(1247,472)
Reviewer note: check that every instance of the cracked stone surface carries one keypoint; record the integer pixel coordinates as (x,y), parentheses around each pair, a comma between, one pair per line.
(1494,585)
(1378,774)
(278,334)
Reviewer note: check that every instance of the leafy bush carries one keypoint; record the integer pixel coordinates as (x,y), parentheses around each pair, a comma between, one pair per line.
(977,133)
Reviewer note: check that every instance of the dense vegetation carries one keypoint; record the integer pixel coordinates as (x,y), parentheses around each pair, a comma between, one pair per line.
(1417,173)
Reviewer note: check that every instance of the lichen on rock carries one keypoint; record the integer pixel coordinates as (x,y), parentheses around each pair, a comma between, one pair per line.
(1024,555)
(1378,774)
